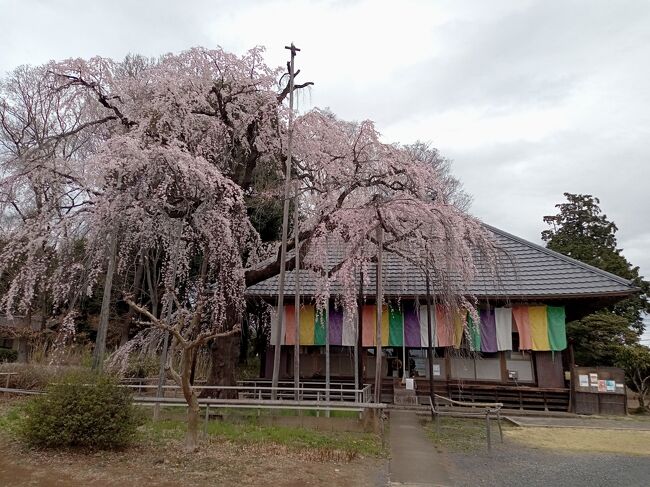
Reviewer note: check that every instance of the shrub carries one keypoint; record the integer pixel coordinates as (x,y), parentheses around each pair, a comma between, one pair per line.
(33,376)
(142,367)
(82,410)
(8,355)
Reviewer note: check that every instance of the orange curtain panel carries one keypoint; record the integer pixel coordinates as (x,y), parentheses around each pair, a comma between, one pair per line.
(520,315)
(290,324)
(444,328)
(369,324)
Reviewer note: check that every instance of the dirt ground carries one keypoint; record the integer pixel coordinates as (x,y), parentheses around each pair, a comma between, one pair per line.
(217,463)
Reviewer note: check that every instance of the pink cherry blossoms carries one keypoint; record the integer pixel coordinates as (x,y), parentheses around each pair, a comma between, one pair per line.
(136,150)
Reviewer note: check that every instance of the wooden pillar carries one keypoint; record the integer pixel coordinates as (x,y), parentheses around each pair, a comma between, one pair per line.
(504,368)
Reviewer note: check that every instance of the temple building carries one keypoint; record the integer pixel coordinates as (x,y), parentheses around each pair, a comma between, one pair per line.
(515,351)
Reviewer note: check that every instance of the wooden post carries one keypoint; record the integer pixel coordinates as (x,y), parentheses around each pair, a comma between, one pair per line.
(285,225)
(378,299)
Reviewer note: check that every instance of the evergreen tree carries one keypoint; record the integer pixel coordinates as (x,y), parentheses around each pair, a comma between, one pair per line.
(580,230)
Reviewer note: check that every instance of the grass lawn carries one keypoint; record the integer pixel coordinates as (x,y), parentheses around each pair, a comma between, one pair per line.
(249,431)
(243,452)
(464,434)
(627,442)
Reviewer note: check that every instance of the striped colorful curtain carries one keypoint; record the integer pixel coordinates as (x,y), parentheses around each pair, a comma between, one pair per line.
(540,328)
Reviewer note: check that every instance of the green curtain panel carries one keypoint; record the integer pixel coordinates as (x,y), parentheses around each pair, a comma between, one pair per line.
(474,333)
(396,326)
(320,327)
(556,327)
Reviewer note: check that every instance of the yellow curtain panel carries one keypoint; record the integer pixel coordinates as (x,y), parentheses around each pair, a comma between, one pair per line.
(307,320)
(538,328)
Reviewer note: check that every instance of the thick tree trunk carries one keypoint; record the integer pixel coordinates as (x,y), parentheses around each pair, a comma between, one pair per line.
(100,342)
(126,326)
(192,435)
(23,350)
(223,358)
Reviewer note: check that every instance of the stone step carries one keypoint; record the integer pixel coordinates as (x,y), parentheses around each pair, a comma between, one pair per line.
(405,400)
(403,392)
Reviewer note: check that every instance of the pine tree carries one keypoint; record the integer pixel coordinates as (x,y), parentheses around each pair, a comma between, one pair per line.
(582,231)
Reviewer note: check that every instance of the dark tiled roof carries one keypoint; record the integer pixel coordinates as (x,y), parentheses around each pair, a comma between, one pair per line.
(526,270)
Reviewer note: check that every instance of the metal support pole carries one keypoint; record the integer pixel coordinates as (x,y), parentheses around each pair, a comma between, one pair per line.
(285,225)
(499,423)
(327,360)
(487,431)
(430,337)
(358,355)
(168,315)
(296,336)
(379,303)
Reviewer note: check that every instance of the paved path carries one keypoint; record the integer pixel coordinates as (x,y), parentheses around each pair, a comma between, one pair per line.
(582,422)
(414,460)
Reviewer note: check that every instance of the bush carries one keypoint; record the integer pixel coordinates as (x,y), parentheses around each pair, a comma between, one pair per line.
(142,367)
(8,355)
(82,410)
(33,376)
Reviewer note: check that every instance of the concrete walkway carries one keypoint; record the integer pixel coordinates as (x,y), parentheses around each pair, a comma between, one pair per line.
(414,460)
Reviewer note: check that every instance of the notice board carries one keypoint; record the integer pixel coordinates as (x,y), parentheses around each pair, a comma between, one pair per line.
(599,390)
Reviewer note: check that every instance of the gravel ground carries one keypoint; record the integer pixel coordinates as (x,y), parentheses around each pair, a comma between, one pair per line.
(514,465)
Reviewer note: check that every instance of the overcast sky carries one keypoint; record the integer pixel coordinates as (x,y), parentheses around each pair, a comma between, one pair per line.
(529,98)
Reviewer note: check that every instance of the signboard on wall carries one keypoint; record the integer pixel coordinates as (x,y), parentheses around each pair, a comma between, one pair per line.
(599,379)
(599,390)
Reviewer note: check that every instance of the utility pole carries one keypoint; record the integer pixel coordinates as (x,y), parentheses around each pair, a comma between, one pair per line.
(285,225)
